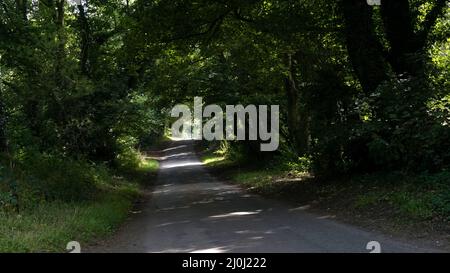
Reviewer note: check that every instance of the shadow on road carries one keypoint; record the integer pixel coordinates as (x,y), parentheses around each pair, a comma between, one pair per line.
(191,211)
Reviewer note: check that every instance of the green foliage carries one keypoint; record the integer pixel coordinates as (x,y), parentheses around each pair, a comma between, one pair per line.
(348,113)
(56,178)
(70,109)
(51,200)
(411,205)
(84,88)
(406,132)
(131,160)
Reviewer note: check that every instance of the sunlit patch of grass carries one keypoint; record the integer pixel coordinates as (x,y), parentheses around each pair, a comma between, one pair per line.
(148,165)
(216,160)
(274,182)
(211,159)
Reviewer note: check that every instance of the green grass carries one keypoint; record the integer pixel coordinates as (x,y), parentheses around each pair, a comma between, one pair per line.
(148,165)
(257,178)
(216,160)
(420,197)
(49,226)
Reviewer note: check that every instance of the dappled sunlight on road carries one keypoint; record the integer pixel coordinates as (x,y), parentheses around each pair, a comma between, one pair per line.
(238,213)
(211,250)
(191,211)
(176,155)
(183,164)
(175,148)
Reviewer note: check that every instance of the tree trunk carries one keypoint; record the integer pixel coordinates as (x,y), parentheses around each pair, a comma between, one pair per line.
(60,80)
(21,6)
(60,37)
(405,46)
(364,48)
(408,47)
(297,117)
(85,38)
(3,140)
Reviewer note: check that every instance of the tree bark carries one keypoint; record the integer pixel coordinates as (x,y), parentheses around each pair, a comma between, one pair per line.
(60,81)
(404,43)
(297,117)
(364,48)
(407,53)
(3,140)
(59,21)
(21,6)
(85,41)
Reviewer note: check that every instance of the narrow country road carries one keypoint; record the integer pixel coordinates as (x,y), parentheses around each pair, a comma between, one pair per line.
(191,211)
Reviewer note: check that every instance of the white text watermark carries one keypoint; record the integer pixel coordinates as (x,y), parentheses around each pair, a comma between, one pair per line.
(237,123)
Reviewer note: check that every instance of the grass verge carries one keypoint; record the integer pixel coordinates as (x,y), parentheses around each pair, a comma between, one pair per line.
(49,226)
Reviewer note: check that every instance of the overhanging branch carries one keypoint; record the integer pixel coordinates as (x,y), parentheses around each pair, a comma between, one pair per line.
(430,20)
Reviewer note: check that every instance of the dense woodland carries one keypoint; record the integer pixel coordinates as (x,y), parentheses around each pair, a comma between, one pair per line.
(361,89)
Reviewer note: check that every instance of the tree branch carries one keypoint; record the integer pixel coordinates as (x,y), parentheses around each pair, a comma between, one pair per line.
(430,20)
(238,15)
(212,29)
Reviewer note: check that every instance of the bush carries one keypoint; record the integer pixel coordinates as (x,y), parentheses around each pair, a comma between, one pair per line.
(39,178)
(405,130)
(58,178)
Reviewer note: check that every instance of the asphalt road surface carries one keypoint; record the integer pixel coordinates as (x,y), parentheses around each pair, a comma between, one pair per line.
(191,211)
